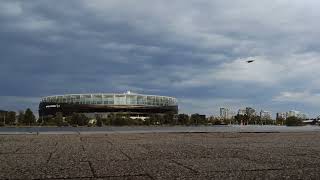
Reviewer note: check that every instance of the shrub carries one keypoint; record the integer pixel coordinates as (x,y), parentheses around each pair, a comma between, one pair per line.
(217,122)
(99,122)
(293,121)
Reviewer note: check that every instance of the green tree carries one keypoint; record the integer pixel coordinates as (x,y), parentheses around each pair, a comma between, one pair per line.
(29,118)
(155,119)
(169,119)
(80,119)
(198,119)
(11,118)
(270,122)
(58,119)
(99,120)
(183,119)
(47,120)
(68,120)
(255,120)
(280,121)
(239,118)
(3,117)
(21,117)
(147,122)
(246,119)
(106,121)
(217,121)
(73,119)
(119,119)
(293,121)
(159,119)
(110,118)
(226,121)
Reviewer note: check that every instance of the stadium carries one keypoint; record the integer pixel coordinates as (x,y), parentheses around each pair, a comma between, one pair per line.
(104,103)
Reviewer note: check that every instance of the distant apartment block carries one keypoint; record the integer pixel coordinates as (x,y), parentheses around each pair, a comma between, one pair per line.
(224,113)
(232,114)
(241,112)
(265,115)
(281,115)
(292,113)
(302,116)
(250,111)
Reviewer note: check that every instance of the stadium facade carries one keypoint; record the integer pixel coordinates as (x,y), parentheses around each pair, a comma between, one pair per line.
(105,103)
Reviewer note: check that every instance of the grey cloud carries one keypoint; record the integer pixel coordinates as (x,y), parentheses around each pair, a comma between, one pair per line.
(190,50)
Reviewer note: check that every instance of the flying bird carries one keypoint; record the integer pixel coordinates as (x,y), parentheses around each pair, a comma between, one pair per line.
(250,61)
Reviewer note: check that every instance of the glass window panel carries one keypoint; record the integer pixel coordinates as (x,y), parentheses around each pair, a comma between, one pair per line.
(120,100)
(59,99)
(150,100)
(158,101)
(108,99)
(131,99)
(140,100)
(166,102)
(87,99)
(145,100)
(76,99)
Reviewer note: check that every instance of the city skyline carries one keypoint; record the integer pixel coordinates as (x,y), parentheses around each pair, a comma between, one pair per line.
(226,113)
(194,51)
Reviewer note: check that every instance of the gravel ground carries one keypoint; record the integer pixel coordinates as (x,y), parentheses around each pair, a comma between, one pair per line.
(161,156)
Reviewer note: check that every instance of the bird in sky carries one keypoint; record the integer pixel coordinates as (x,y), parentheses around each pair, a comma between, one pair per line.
(250,61)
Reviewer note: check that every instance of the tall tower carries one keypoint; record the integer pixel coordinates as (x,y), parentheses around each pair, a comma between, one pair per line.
(224,113)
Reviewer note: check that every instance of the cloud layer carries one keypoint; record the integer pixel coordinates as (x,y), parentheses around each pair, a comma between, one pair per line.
(195,51)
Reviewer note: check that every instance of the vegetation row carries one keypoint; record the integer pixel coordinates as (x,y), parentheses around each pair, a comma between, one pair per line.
(27,118)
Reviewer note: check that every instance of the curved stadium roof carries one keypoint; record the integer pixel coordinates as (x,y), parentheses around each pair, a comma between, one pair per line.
(112,99)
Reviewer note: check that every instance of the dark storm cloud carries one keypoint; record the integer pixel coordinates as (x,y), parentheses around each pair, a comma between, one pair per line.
(192,50)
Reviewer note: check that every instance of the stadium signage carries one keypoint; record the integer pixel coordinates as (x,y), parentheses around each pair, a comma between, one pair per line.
(53,106)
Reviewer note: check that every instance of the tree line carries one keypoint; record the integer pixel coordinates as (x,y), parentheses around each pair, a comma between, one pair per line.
(122,119)
(27,118)
(22,118)
(257,120)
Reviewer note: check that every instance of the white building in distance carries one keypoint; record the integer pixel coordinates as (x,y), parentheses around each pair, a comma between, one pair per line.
(224,113)
(265,115)
(241,112)
(281,115)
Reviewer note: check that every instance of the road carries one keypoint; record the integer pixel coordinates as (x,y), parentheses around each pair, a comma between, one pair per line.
(161,155)
(154,129)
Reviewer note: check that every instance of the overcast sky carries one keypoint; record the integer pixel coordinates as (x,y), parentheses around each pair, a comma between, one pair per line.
(193,50)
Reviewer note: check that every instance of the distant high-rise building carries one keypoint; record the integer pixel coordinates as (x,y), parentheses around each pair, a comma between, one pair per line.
(224,113)
(232,114)
(297,114)
(281,115)
(302,116)
(250,111)
(264,115)
(292,113)
(241,112)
